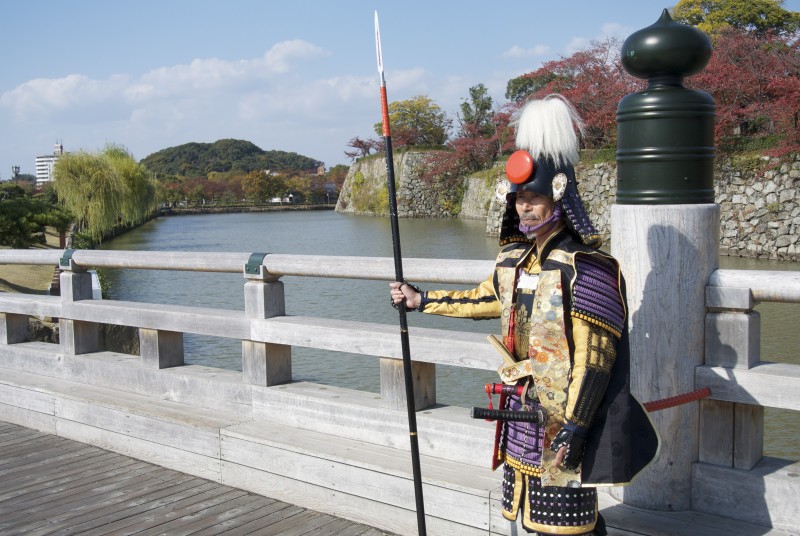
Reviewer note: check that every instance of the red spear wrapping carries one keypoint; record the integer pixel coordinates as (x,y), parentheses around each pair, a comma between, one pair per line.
(398,270)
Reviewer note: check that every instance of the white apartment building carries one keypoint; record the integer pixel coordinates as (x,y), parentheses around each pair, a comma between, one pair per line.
(45,163)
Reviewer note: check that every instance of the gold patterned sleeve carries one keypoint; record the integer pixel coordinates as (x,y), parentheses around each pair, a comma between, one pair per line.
(480,302)
(595,353)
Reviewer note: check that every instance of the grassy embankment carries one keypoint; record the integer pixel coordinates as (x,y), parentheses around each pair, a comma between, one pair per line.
(29,279)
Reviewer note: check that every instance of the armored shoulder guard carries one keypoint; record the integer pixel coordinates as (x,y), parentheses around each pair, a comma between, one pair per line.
(596,295)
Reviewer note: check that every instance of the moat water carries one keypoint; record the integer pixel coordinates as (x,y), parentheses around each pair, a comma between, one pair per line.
(331,233)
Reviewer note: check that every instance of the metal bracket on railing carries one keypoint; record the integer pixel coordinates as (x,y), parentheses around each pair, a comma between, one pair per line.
(255,269)
(67,263)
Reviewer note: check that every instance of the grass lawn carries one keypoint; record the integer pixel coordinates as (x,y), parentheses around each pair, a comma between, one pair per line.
(29,279)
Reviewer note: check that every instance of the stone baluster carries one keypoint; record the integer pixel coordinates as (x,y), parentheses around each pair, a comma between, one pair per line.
(76,336)
(13,328)
(731,434)
(264,363)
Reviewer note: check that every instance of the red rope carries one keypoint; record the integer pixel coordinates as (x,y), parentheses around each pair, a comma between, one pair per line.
(673,401)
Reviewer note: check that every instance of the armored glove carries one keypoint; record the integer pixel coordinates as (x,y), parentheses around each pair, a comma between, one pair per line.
(575,444)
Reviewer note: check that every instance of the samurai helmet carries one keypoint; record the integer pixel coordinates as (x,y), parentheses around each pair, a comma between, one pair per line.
(547,151)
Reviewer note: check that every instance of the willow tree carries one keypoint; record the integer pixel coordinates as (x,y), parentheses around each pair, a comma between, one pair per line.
(104,190)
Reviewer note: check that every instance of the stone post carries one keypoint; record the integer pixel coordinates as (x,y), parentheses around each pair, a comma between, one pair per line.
(76,336)
(665,234)
(13,328)
(264,363)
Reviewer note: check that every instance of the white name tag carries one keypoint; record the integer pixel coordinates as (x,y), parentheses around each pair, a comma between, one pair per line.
(527,281)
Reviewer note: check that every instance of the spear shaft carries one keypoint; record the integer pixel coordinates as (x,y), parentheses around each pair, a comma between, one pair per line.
(398,270)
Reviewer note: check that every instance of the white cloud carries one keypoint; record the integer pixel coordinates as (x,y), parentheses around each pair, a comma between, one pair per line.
(518,52)
(211,75)
(39,97)
(278,58)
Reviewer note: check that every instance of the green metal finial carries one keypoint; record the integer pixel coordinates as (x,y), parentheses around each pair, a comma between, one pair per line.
(666,48)
(665,134)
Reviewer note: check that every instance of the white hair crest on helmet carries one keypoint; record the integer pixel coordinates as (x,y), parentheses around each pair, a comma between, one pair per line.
(546,128)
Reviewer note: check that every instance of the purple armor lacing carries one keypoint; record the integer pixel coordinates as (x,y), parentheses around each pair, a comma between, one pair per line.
(596,291)
(523,440)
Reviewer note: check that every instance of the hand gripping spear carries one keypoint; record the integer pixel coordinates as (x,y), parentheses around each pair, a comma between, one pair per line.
(398,271)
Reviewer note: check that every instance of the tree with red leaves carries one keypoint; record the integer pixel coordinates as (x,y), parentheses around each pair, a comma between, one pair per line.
(755,82)
(593,80)
(361,147)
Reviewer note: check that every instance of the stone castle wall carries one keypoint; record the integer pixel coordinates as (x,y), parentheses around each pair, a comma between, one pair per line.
(760,210)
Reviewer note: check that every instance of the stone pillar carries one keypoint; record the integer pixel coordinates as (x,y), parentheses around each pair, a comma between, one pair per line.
(667,254)
(665,234)
(264,363)
(160,349)
(13,328)
(393,384)
(76,336)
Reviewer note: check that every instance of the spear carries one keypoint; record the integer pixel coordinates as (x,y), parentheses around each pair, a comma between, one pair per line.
(398,271)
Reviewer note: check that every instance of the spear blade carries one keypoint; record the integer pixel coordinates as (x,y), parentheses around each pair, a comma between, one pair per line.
(378,49)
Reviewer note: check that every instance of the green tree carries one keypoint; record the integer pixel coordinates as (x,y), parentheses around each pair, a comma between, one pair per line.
(141,193)
(519,88)
(23,219)
(417,121)
(476,113)
(104,189)
(757,16)
(255,186)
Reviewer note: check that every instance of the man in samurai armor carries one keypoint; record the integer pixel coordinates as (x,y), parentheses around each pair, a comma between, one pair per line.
(561,304)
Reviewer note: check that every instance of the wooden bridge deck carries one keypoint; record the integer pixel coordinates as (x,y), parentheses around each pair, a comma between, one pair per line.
(51,485)
(54,486)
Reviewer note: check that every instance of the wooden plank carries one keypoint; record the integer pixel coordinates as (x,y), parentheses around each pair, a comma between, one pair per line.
(190,429)
(85,505)
(766,384)
(70,490)
(29,447)
(210,516)
(172,457)
(733,339)
(72,502)
(444,432)
(162,512)
(81,519)
(251,437)
(164,524)
(133,505)
(10,436)
(748,437)
(766,285)
(30,419)
(65,464)
(370,483)
(47,479)
(32,305)
(178,318)
(285,511)
(770,491)
(254,511)
(378,514)
(716,432)
(21,461)
(447,347)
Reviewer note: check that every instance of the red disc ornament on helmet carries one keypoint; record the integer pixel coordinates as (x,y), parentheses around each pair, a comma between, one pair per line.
(519,167)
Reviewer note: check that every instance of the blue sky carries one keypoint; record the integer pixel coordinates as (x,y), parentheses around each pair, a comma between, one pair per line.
(293,76)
